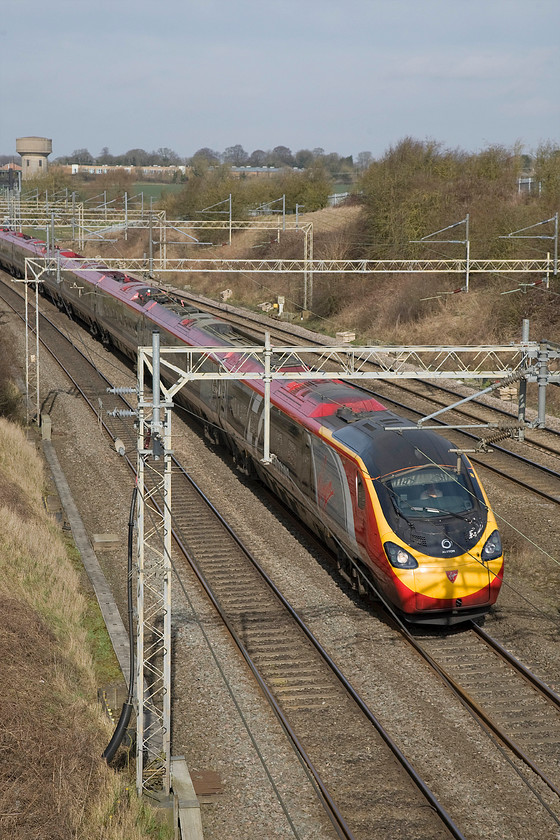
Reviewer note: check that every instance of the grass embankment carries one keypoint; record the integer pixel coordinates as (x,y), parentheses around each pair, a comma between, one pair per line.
(53,781)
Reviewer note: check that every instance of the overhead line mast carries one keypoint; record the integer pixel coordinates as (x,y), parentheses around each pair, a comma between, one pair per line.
(524,361)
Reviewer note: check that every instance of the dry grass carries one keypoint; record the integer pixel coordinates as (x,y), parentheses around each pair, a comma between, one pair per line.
(53,782)
(382,309)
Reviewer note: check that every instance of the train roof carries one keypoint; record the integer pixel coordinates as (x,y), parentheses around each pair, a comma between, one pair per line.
(386,447)
(329,401)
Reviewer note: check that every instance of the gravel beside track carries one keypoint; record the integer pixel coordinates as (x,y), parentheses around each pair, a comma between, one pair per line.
(214,731)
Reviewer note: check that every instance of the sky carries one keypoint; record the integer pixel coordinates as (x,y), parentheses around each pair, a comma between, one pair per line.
(347,76)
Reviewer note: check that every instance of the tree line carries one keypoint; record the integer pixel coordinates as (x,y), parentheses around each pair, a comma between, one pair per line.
(415,189)
(207,189)
(339,166)
(420,187)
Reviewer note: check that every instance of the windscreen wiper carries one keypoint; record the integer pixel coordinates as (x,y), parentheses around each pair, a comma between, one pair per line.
(440,510)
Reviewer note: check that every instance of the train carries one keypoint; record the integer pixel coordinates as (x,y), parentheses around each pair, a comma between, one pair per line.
(396,504)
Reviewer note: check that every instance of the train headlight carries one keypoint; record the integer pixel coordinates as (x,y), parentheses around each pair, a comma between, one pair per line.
(492,547)
(399,557)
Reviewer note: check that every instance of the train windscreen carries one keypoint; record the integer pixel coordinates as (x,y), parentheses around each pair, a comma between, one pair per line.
(430,491)
(429,495)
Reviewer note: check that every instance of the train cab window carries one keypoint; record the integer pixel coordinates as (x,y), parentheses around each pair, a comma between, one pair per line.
(360,492)
(428,492)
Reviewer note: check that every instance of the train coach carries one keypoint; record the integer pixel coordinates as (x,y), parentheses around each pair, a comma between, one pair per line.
(394,503)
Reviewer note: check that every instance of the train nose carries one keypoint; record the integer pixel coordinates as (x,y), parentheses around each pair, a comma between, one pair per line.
(463,584)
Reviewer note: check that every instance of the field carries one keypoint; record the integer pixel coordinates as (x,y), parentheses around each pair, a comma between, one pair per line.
(156,191)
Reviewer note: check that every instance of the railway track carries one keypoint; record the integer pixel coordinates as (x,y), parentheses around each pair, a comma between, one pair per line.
(323,716)
(545,441)
(294,674)
(321,713)
(512,704)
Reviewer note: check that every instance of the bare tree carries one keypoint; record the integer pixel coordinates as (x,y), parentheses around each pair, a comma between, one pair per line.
(363,160)
(282,156)
(167,157)
(209,155)
(81,156)
(303,158)
(258,158)
(105,156)
(235,155)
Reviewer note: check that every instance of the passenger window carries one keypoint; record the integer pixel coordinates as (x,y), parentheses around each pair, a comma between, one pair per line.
(238,401)
(285,441)
(360,492)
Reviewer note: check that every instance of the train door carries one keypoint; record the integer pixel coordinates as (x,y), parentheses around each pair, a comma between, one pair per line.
(236,406)
(211,391)
(332,492)
(360,508)
(305,471)
(219,398)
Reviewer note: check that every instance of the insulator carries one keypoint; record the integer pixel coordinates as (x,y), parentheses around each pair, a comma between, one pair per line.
(499,434)
(508,425)
(511,379)
(122,412)
(504,429)
(127,390)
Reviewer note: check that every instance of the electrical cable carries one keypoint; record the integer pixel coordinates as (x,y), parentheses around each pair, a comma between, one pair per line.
(126,711)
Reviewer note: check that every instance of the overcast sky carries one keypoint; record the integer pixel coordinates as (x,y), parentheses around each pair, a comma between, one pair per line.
(344,75)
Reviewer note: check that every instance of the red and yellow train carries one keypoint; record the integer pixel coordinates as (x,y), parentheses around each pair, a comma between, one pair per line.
(396,503)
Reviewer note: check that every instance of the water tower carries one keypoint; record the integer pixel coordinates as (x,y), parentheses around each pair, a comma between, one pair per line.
(34,152)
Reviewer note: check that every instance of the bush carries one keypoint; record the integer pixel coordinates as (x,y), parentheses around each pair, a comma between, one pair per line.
(419,188)
(11,401)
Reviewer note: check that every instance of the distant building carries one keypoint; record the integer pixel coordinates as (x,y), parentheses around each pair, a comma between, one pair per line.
(94,168)
(34,153)
(167,173)
(259,171)
(160,173)
(10,176)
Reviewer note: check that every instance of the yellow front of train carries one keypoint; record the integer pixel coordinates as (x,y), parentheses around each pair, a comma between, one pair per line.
(463,585)
(439,541)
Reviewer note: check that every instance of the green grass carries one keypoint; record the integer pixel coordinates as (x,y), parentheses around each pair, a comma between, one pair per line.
(156,191)
(105,662)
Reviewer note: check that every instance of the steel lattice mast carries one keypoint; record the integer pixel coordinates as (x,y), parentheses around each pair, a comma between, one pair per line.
(153,678)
